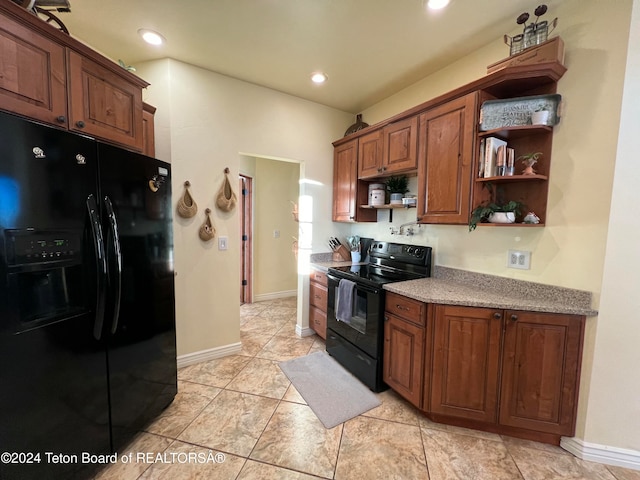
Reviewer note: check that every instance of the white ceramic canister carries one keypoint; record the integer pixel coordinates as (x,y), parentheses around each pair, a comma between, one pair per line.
(376,193)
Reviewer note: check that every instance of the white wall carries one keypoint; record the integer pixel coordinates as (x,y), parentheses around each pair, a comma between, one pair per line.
(206,122)
(614,396)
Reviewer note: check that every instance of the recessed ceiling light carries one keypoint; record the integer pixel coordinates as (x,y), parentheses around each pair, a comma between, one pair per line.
(437,4)
(319,77)
(149,36)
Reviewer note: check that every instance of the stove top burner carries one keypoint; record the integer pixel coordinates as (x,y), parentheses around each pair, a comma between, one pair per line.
(389,262)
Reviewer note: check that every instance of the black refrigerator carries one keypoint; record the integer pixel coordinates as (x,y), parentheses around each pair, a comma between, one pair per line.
(87,323)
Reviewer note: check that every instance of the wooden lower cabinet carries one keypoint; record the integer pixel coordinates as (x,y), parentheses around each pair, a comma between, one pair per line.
(466,362)
(504,371)
(404,346)
(318,302)
(541,371)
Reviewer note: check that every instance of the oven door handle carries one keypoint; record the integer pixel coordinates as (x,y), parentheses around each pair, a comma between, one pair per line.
(359,286)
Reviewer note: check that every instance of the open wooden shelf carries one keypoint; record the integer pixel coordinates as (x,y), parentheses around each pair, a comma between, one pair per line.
(387,206)
(513,178)
(515,132)
(526,225)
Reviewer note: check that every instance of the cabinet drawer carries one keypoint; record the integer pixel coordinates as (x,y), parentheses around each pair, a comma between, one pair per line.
(319,277)
(318,321)
(406,308)
(318,296)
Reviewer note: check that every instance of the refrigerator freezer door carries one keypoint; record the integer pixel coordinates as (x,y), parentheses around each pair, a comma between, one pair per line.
(142,351)
(53,384)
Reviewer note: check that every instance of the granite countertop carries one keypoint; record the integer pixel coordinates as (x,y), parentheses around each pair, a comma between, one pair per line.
(452,286)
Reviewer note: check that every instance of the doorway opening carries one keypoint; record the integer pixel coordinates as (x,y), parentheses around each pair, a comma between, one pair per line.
(246,238)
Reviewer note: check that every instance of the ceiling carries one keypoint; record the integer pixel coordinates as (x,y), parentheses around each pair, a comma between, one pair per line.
(370,49)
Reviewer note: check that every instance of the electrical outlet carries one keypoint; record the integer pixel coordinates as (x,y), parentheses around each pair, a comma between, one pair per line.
(222,243)
(519,259)
(276,234)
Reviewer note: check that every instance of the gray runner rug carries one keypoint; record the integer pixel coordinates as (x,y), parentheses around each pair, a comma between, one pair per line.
(333,393)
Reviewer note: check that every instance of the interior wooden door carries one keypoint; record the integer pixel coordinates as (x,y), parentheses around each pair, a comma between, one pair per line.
(246,195)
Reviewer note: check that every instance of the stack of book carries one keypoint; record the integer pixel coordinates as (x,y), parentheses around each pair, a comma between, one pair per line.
(497,159)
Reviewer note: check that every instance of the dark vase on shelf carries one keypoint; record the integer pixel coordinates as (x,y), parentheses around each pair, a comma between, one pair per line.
(359,125)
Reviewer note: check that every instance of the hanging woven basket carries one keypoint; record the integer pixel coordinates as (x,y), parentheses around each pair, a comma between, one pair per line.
(207,230)
(187,206)
(226,199)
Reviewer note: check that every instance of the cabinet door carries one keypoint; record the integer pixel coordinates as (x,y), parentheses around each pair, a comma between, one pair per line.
(541,371)
(347,192)
(370,155)
(466,362)
(400,146)
(32,74)
(403,357)
(148,130)
(445,162)
(103,104)
(318,321)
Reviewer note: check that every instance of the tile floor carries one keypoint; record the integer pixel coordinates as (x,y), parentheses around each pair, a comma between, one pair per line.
(240,418)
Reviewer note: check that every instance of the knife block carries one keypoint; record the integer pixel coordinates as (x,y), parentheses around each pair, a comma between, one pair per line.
(344,253)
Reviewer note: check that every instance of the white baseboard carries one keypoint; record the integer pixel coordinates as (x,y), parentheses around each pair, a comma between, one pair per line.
(209,354)
(304,332)
(274,295)
(593,452)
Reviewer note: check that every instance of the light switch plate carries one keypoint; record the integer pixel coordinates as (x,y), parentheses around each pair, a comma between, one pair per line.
(222,243)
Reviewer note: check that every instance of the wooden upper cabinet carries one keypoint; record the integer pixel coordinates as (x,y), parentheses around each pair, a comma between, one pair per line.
(32,74)
(445,161)
(466,362)
(370,150)
(389,150)
(540,371)
(103,104)
(400,146)
(348,191)
(148,130)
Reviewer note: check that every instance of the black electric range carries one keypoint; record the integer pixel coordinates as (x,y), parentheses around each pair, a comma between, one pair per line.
(358,344)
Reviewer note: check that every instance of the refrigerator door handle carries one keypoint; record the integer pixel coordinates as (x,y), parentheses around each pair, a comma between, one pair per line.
(101,260)
(113,226)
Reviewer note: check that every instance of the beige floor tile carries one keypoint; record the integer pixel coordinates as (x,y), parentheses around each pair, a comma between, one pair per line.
(296,439)
(394,408)
(284,348)
(216,373)
(182,461)
(426,423)
(262,471)
(232,422)
(263,325)
(288,330)
(536,464)
(187,405)
(261,377)
(377,449)
(512,442)
(136,450)
(253,341)
(292,395)
(624,473)
(455,456)
(249,309)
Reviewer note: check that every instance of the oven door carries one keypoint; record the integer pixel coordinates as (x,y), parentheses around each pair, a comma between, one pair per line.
(365,331)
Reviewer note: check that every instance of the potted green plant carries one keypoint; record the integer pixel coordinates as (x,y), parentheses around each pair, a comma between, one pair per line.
(495,211)
(397,187)
(529,160)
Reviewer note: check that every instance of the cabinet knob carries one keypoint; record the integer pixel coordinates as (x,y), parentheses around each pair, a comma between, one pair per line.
(352,218)
(61,119)
(497,315)
(80,124)
(386,319)
(514,317)
(400,307)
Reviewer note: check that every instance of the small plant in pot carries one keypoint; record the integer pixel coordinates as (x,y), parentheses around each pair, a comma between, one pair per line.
(529,160)
(495,211)
(397,187)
